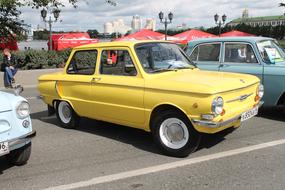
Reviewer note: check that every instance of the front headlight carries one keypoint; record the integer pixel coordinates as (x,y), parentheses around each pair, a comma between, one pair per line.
(260,91)
(23,110)
(218,105)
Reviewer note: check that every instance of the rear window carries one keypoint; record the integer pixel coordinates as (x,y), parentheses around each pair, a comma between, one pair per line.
(206,52)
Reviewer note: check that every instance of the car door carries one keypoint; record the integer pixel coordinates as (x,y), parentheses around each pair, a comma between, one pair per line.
(240,57)
(274,71)
(75,85)
(207,56)
(118,88)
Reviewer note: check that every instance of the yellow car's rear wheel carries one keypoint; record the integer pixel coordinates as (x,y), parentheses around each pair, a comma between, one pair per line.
(174,134)
(66,115)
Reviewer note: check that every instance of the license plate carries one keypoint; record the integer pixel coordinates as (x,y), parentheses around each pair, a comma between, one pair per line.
(249,114)
(4,148)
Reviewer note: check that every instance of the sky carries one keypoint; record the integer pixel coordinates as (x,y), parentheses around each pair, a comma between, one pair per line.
(92,14)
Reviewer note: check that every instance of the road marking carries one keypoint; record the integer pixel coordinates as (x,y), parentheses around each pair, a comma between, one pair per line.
(163,167)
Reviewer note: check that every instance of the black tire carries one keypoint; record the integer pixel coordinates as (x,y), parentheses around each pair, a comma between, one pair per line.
(21,155)
(74,120)
(189,144)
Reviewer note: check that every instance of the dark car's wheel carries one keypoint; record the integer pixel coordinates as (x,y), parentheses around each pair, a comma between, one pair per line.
(21,155)
(174,134)
(66,115)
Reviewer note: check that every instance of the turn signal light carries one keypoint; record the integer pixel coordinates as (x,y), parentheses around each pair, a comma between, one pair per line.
(256,98)
(223,113)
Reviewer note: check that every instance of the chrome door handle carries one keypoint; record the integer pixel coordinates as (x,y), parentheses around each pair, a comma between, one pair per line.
(96,79)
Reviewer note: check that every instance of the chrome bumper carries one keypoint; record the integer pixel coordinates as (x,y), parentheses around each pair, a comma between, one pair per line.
(212,124)
(20,141)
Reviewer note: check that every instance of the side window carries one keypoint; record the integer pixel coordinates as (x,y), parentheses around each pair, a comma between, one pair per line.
(239,53)
(194,54)
(83,62)
(117,62)
(209,52)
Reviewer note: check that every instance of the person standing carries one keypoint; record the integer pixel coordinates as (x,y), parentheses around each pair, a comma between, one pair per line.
(10,68)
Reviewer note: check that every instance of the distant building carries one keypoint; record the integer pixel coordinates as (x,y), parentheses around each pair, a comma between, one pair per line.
(117,26)
(183,26)
(136,23)
(108,28)
(258,21)
(150,24)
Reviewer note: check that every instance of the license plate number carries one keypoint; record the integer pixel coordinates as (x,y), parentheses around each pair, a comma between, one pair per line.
(249,114)
(4,148)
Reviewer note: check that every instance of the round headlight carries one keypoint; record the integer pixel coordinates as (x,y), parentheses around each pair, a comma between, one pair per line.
(218,105)
(260,91)
(23,110)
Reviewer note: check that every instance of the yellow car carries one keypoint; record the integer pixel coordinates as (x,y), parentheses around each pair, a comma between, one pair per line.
(150,85)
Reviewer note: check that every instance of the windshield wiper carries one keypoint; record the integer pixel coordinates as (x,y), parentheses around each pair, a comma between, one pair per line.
(183,68)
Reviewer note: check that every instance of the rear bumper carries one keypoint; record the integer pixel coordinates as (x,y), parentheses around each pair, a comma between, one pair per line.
(212,124)
(21,141)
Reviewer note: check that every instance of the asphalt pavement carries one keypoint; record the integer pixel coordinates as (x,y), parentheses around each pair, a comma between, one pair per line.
(101,155)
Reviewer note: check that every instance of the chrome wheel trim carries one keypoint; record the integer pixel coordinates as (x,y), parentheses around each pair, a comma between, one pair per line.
(174,133)
(64,112)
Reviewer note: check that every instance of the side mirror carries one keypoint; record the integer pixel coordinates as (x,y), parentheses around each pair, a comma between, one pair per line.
(18,90)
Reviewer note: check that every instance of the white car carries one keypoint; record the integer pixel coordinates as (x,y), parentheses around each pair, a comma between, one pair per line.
(15,127)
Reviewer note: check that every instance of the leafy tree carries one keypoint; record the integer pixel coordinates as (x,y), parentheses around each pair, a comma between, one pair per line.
(9,13)
(93,33)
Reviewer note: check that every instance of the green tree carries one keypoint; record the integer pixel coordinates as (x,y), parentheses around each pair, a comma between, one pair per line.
(9,13)
(93,33)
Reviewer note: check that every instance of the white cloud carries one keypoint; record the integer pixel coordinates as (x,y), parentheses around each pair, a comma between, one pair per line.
(93,14)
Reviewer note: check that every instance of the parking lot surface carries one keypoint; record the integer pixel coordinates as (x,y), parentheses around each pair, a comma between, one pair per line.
(101,155)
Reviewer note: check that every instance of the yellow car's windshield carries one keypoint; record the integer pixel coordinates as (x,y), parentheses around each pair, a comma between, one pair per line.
(160,57)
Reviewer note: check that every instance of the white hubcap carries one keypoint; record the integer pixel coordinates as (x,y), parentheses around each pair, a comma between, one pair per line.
(64,112)
(173,133)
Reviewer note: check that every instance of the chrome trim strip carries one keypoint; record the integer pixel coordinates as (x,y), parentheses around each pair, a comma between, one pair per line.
(238,88)
(5,111)
(240,98)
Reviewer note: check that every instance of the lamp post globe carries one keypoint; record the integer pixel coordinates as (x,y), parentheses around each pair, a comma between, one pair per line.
(160,15)
(44,13)
(170,16)
(216,18)
(224,18)
(56,13)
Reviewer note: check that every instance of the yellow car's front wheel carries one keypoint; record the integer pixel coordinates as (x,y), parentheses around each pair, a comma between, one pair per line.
(174,134)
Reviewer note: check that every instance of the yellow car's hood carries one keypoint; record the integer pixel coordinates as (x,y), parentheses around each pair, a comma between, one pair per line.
(197,81)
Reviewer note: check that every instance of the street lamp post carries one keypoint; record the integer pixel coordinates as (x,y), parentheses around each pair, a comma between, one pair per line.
(165,21)
(50,21)
(219,23)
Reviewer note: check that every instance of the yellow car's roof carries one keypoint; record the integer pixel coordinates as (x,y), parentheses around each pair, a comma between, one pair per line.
(118,43)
